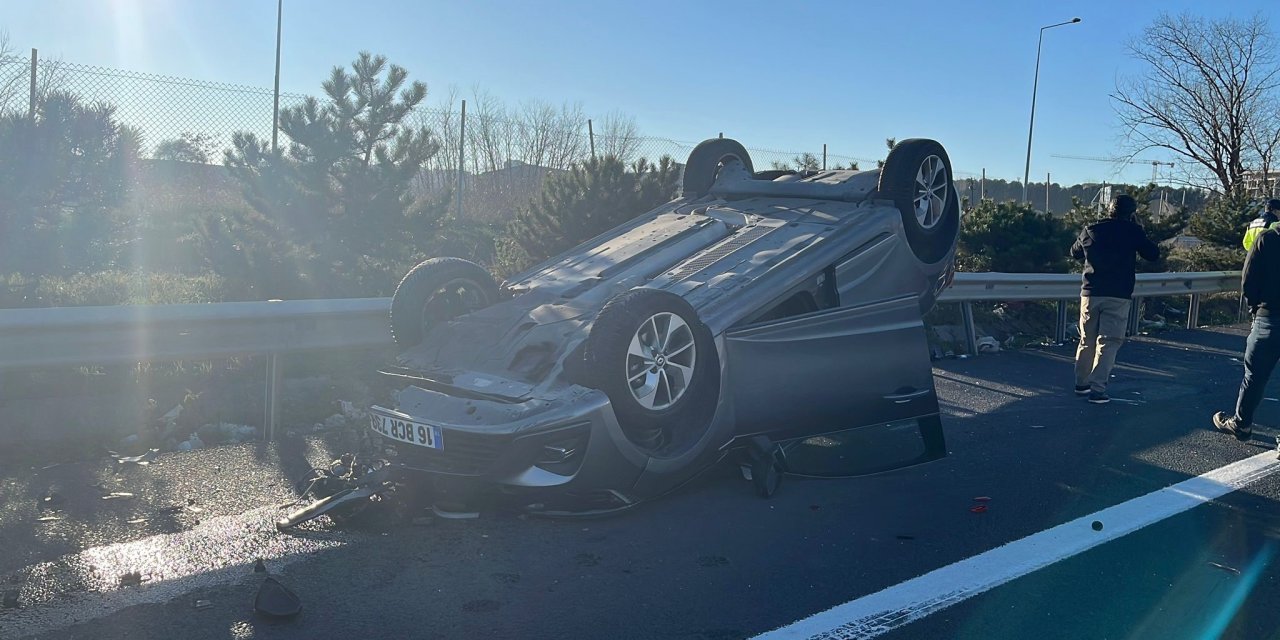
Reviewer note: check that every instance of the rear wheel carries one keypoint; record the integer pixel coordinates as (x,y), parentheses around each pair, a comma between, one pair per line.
(653,357)
(917,177)
(704,164)
(436,291)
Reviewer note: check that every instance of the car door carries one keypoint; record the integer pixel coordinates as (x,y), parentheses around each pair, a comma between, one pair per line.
(831,370)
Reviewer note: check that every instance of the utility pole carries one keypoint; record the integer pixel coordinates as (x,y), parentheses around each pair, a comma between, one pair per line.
(982,188)
(1026,173)
(31,110)
(275,101)
(591,135)
(1047,182)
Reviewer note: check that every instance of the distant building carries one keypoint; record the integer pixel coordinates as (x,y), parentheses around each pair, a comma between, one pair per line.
(1262,185)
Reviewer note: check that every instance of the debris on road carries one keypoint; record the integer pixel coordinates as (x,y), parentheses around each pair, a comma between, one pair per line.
(51,499)
(978,508)
(118,495)
(982,499)
(988,344)
(140,460)
(1037,426)
(274,600)
(345,488)
(201,605)
(48,518)
(1231,570)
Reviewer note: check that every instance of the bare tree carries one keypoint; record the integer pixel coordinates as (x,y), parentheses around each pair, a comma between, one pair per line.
(15,78)
(1204,96)
(617,135)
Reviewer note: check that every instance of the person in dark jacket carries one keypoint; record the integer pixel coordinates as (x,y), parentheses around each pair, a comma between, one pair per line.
(1260,284)
(1108,249)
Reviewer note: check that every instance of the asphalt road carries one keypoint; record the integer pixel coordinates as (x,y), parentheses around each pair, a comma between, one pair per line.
(712,561)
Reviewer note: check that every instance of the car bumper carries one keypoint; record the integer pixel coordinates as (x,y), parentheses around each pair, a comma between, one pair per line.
(565,444)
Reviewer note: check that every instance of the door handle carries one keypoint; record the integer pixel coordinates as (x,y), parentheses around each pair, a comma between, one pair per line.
(903,398)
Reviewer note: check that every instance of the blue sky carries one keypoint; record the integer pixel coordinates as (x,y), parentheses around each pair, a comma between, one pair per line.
(774,75)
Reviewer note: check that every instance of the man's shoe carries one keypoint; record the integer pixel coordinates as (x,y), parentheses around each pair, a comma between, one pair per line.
(1099,397)
(1082,389)
(1227,424)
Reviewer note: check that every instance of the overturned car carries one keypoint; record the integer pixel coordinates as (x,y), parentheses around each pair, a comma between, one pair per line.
(759,308)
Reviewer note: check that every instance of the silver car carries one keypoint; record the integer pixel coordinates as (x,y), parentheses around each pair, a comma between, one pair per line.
(758,310)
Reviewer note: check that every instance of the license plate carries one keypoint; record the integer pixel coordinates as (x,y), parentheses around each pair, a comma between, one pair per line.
(407,431)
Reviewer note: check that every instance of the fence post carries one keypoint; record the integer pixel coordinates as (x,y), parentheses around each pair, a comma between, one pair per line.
(1193,312)
(271,410)
(970,331)
(591,135)
(1134,315)
(462,145)
(824,156)
(31,110)
(1060,328)
(275,96)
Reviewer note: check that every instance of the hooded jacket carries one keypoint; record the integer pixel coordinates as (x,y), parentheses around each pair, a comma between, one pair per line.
(1259,280)
(1108,249)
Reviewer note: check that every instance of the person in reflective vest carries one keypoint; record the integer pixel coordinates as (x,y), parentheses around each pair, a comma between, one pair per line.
(1268,219)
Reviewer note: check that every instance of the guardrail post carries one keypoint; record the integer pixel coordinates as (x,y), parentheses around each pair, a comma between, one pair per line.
(1193,312)
(1060,328)
(1135,314)
(970,331)
(273,387)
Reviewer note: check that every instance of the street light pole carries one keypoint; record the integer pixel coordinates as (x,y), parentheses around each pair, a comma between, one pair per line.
(1026,174)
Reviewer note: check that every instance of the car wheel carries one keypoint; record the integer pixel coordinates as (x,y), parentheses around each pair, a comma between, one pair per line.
(657,362)
(436,291)
(704,163)
(917,177)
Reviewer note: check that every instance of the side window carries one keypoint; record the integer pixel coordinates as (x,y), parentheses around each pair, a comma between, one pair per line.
(818,294)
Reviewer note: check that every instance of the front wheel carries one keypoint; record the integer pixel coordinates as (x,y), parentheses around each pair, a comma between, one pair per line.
(436,291)
(657,362)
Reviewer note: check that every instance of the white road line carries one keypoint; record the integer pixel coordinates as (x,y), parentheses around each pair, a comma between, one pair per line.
(883,611)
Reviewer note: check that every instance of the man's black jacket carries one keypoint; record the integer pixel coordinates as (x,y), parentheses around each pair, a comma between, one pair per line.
(1108,249)
(1261,278)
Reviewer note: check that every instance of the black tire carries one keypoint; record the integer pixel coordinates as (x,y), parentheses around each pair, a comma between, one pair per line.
(436,291)
(934,237)
(704,163)
(663,431)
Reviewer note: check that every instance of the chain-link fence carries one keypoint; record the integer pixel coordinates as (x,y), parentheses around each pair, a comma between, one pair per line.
(501,157)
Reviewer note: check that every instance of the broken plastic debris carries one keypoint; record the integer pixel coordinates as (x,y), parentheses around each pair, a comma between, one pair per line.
(274,600)
(1231,570)
(201,605)
(454,515)
(143,459)
(136,521)
(51,499)
(1037,426)
(988,344)
(117,495)
(978,508)
(982,499)
(48,519)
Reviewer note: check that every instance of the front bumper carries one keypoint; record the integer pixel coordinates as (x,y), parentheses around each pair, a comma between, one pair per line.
(568,442)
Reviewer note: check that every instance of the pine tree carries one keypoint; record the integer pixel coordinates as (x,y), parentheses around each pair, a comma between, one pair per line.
(586,201)
(337,205)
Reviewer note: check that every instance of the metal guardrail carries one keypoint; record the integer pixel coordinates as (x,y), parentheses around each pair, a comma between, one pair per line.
(35,338)
(972,287)
(67,336)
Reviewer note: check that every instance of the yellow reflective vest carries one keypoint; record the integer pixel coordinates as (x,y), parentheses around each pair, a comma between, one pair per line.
(1259,224)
